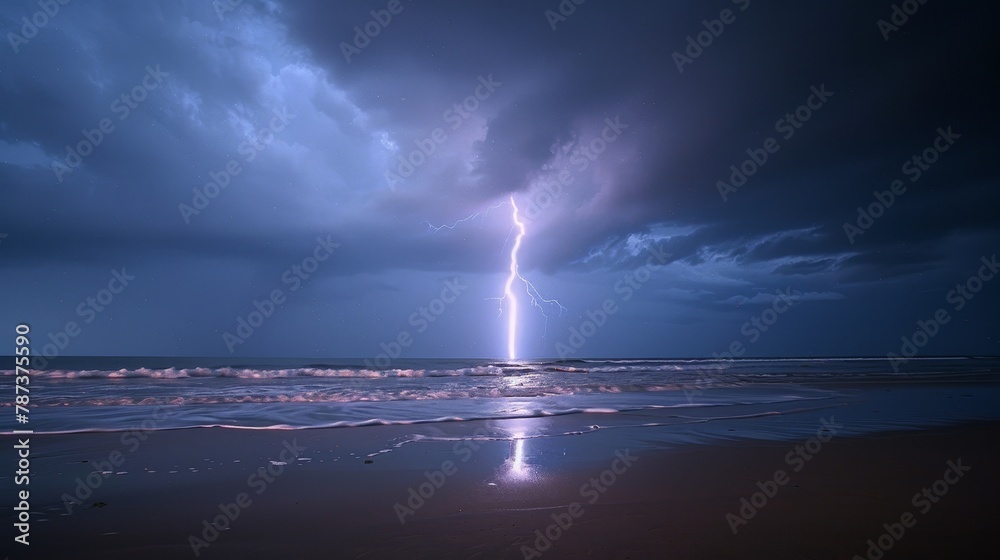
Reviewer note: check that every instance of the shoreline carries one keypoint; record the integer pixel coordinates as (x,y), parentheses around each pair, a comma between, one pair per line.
(493,496)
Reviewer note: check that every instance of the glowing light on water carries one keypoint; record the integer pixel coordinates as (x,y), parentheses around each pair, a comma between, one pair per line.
(517,466)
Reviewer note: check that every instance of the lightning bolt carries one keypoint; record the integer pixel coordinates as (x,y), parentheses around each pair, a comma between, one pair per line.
(471,217)
(508,293)
(534,296)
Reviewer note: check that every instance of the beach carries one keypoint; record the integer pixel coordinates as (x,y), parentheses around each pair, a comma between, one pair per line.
(402,280)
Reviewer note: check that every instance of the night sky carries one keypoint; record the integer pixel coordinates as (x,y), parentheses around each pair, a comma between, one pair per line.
(169,168)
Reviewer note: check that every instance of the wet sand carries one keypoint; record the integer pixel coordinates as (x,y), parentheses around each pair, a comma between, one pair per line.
(485,499)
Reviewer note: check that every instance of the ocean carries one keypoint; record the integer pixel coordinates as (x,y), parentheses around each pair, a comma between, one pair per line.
(689,400)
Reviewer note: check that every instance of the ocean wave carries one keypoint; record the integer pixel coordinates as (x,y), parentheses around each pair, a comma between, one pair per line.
(749,367)
(372,421)
(341,395)
(492,370)
(253,373)
(611,371)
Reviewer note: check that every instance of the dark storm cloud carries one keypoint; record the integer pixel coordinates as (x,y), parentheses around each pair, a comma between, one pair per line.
(654,186)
